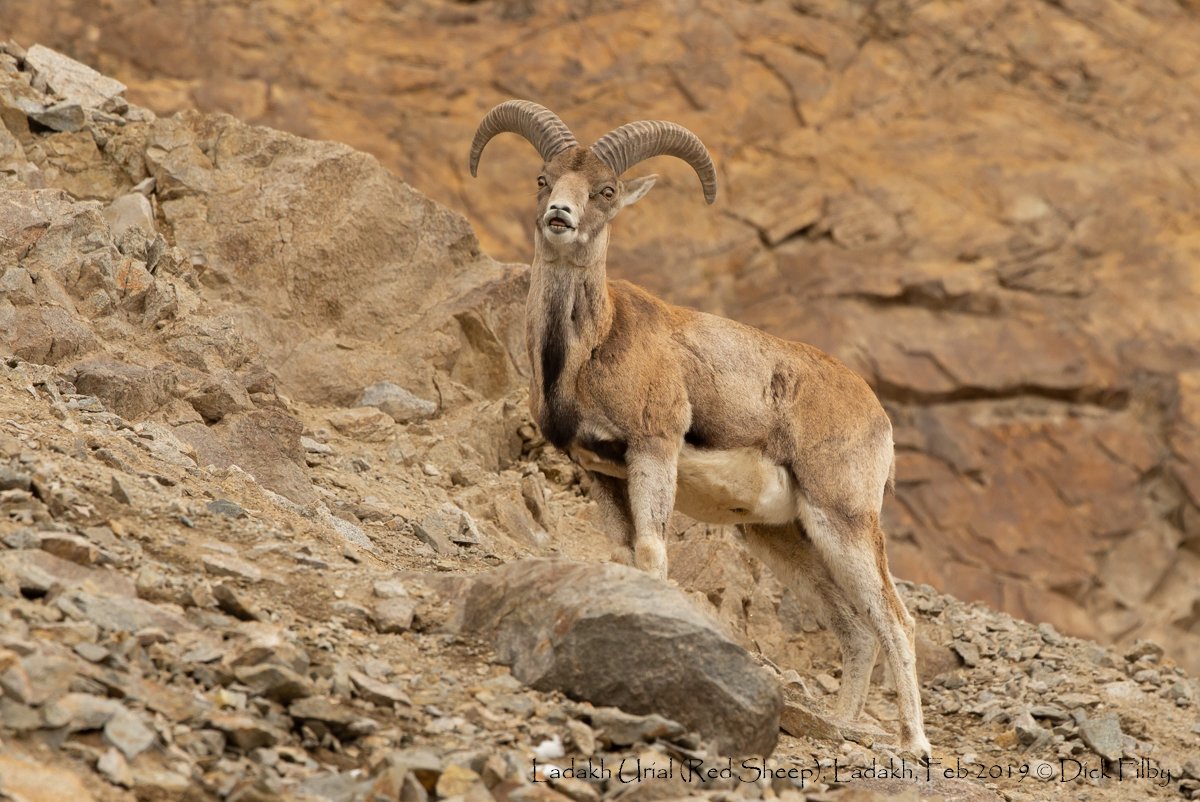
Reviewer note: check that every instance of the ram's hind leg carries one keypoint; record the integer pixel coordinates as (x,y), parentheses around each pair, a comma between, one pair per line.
(852,548)
(791,556)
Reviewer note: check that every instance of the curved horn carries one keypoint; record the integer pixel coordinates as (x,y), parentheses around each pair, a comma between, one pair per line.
(538,124)
(634,142)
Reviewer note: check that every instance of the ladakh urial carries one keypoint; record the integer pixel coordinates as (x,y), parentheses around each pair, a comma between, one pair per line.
(670,408)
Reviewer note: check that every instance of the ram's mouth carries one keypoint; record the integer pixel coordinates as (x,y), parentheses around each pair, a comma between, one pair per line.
(559,225)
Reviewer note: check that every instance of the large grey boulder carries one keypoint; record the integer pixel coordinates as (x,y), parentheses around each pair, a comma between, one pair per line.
(612,635)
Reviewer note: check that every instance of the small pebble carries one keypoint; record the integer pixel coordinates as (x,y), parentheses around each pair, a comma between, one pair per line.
(91,652)
(224,506)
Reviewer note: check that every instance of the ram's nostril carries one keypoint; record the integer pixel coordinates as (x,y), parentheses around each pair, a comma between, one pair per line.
(560,207)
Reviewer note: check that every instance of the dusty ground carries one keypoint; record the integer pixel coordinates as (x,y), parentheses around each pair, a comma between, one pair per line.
(311,587)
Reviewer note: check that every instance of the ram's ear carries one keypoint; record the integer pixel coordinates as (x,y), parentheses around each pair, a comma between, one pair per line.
(636,189)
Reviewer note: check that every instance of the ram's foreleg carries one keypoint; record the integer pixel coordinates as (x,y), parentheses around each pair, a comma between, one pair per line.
(651,489)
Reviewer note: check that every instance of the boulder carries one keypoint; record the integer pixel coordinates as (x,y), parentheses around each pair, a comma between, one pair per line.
(290,232)
(400,404)
(265,443)
(131,210)
(121,614)
(65,116)
(618,729)
(611,635)
(80,712)
(1103,736)
(246,732)
(342,720)
(800,721)
(126,731)
(394,615)
(37,571)
(33,781)
(362,423)
(71,80)
(274,682)
(129,390)
(447,526)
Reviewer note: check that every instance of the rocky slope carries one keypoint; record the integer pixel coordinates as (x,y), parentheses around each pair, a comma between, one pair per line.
(988,208)
(263,441)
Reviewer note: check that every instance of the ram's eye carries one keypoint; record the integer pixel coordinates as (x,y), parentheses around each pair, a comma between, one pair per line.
(541,181)
(608,192)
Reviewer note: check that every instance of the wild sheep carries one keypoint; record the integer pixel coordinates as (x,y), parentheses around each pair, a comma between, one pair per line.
(675,409)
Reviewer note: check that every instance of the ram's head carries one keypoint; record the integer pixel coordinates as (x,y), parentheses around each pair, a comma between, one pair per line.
(580,189)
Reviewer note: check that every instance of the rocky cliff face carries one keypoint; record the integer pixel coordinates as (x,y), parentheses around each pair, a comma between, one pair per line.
(268,499)
(989,209)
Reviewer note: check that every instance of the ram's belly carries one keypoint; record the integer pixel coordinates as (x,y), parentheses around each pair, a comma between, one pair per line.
(719,486)
(734,486)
